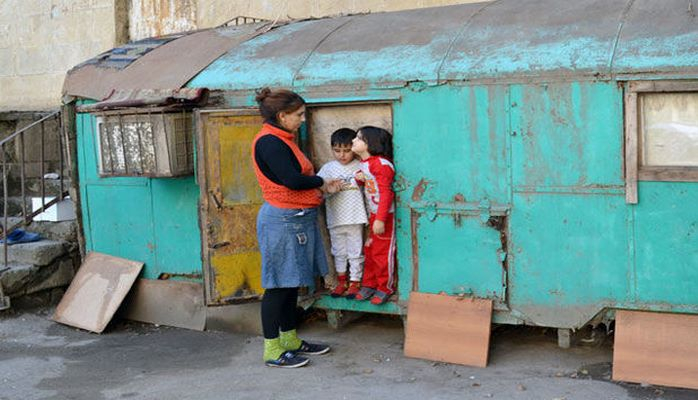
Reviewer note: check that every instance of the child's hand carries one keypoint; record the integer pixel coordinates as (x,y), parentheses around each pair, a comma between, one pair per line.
(378,227)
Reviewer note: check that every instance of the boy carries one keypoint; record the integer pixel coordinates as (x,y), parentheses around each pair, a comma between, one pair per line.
(346,214)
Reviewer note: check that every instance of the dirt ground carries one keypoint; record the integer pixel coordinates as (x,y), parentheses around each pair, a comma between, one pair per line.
(40,359)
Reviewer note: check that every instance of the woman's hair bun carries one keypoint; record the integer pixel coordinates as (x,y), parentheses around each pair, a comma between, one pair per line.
(262,94)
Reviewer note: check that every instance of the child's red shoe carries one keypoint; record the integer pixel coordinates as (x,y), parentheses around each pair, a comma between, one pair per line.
(339,290)
(353,290)
(379,298)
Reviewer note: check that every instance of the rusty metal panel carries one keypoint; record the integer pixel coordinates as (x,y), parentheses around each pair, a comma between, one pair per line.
(570,256)
(387,47)
(230,200)
(451,145)
(658,36)
(666,224)
(476,269)
(169,66)
(537,37)
(567,135)
(99,287)
(271,59)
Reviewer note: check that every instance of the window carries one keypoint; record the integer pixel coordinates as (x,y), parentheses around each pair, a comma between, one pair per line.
(661,133)
(152,144)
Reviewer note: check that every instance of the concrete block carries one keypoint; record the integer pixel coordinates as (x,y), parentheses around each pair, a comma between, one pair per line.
(242,318)
(17,277)
(37,253)
(61,211)
(60,231)
(5,35)
(62,275)
(8,62)
(33,60)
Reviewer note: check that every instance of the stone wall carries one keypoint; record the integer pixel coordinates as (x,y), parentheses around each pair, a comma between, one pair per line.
(41,39)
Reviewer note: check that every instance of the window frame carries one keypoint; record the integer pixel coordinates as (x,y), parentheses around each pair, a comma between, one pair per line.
(635,172)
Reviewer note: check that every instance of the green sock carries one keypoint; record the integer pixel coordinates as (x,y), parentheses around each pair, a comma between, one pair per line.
(289,340)
(272,349)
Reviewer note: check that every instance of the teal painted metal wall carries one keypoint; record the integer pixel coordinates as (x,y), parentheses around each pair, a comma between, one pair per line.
(513,192)
(516,193)
(153,220)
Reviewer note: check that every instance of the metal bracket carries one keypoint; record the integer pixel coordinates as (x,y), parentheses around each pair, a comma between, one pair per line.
(485,210)
(431,212)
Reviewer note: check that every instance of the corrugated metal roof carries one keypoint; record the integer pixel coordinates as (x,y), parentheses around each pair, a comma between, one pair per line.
(499,39)
(159,63)
(490,40)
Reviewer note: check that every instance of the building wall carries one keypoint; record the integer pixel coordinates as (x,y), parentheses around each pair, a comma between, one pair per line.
(152,17)
(41,39)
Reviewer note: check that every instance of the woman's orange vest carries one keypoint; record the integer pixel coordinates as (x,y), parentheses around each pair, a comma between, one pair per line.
(279,195)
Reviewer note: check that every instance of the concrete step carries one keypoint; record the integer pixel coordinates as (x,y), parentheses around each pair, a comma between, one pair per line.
(23,279)
(38,253)
(62,230)
(17,276)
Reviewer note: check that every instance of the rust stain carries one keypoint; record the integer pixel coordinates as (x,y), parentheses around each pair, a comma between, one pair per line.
(459,198)
(414,225)
(419,190)
(501,224)
(169,275)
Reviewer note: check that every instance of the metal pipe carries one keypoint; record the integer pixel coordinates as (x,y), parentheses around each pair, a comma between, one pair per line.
(43,187)
(167,143)
(22,176)
(123,143)
(139,130)
(4,211)
(105,128)
(152,140)
(60,154)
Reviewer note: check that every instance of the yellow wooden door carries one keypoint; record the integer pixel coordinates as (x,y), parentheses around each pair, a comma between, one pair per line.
(230,199)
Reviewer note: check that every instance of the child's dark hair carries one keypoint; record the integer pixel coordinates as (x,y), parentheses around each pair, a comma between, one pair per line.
(378,140)
(342,137)
(272,102)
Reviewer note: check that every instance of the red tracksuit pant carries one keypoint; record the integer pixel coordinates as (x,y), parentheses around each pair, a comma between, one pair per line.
(379,257)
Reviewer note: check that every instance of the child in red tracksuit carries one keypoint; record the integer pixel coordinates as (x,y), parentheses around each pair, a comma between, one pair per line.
(374,146)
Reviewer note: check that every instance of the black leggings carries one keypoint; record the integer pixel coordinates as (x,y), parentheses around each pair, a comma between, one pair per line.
(279,311)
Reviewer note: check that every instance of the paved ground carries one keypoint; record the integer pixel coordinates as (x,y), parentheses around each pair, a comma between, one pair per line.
(40,359)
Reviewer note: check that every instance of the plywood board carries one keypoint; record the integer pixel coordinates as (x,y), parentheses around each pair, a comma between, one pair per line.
(97,290)
(448,328)
(656,348)
(167,302)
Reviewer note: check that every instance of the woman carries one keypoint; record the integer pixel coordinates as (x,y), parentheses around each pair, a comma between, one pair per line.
(287,230)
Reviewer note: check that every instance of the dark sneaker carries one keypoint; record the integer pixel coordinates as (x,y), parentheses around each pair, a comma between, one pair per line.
(365,293)
(312,349)
(288,359)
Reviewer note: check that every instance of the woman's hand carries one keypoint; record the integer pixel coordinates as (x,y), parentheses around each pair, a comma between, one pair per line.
(378,227)
(332,186)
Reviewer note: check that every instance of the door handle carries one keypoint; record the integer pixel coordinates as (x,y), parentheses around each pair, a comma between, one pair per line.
(219,204)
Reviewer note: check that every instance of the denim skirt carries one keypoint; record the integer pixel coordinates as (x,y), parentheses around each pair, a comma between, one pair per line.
(292,250)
